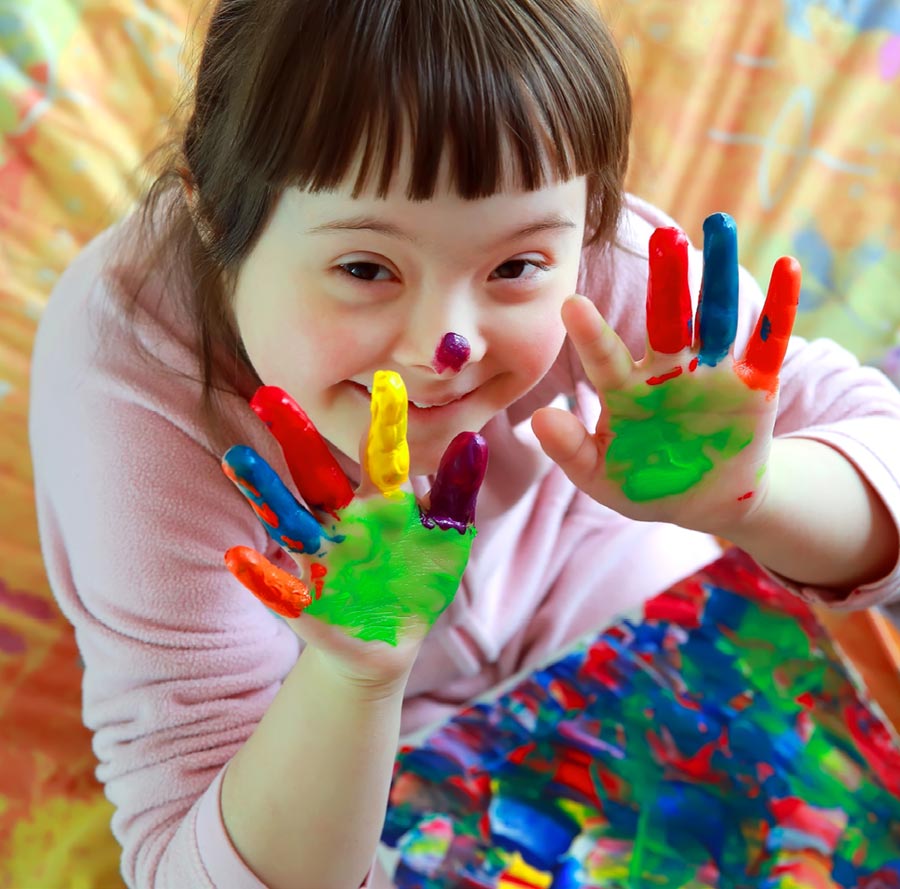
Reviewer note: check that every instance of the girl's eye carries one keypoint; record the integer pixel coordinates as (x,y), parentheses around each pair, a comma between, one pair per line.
(512,270)
(365,271)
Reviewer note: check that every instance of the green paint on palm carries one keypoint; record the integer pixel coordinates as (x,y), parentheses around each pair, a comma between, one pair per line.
(668,437)
(390,573)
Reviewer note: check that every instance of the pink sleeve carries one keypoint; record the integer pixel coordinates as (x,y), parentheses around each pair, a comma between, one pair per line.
(825,394)
(180,661)
(222,862)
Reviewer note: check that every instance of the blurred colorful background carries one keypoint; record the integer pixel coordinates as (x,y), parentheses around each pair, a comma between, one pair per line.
(783,113)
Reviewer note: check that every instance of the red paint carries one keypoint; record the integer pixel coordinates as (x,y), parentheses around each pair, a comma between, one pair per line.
(319,479)
(240,482)
(668,293)
(698,766)
(693,365)
(684,612)
(796,814)
(519,754)
(599,657)
(266,514)
(655,381)
(317,574)
(746,496)
(875,745)
(762,361)
(280,591)
(567,696)
(575,772)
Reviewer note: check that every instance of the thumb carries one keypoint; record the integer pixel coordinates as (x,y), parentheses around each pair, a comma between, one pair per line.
(566,442)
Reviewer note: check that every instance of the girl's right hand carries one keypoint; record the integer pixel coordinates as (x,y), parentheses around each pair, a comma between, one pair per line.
(379,568)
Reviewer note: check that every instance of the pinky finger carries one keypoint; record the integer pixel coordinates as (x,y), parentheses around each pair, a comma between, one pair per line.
(279,590)
(768,344)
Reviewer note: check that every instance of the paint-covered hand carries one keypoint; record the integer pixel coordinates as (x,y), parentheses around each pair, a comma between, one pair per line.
(379,568)
(684,434)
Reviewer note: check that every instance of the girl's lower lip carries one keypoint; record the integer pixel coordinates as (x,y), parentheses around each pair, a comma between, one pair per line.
(414,410)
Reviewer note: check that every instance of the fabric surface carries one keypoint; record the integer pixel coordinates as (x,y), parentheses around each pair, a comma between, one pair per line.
(782,114)
(663,752)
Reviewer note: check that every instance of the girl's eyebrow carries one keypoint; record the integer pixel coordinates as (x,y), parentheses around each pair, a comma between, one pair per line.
(551,222)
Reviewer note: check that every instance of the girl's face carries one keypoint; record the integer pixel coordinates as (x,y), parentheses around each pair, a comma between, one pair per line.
(337,288)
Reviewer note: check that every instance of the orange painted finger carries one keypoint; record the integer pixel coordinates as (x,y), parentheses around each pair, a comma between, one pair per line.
(767,347)
(279,590)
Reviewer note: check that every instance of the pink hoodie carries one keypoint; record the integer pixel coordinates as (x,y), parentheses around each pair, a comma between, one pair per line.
(181,661)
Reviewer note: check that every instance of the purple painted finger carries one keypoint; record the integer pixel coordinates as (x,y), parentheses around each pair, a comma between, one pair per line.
(458,481)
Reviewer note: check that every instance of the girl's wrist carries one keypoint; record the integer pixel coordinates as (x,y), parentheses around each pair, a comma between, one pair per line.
(360,684)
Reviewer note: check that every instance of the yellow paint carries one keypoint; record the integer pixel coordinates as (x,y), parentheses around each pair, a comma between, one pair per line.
(387,453)
(519,869)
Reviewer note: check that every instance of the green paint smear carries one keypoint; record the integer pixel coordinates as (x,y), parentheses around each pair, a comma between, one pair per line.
(667,437)
(390,574)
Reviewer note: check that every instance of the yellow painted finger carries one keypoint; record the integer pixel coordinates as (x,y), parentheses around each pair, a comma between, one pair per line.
(387,453)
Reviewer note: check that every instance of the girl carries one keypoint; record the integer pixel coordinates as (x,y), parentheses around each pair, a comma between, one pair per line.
(417,188)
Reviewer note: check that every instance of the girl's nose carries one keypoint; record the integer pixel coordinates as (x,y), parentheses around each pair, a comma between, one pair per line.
(452,353)
(443,344)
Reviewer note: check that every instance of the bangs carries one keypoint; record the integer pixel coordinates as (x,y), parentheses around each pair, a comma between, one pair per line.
(515,94)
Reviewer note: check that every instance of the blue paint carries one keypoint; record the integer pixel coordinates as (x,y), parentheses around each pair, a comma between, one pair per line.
(287,522)
(765,328)
(540,837)
(719,291)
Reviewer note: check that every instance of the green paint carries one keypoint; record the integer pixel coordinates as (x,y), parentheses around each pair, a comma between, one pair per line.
(668,437)
(390,574)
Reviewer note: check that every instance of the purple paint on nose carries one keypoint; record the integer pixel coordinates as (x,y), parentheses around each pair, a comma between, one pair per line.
(453,352)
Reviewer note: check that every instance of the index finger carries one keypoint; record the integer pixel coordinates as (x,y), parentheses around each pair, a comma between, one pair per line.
(319,479)
(669,318)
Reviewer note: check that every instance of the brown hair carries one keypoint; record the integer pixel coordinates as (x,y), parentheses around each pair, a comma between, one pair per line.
(293,92)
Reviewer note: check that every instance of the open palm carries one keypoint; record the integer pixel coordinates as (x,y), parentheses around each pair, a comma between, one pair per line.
(379,568)
(684,434)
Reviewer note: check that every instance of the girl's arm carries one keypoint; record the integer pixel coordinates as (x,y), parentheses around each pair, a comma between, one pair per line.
(822,523)
(304,799)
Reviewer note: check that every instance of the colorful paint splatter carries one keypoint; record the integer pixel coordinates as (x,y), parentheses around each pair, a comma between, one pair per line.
(717,742)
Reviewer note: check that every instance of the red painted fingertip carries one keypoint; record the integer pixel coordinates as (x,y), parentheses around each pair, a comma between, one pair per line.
(669,313)
(275,588)
(319,479)
(768,345)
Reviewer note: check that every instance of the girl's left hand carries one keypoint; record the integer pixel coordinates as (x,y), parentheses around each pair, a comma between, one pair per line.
(684,434)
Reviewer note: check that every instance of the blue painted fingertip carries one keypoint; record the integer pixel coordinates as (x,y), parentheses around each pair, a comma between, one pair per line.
(287,522)
(719,291)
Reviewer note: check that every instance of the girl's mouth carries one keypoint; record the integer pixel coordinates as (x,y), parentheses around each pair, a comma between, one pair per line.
(422,408)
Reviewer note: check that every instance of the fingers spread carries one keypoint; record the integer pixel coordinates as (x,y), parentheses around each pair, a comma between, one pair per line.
(285,520)
(718,309)
(459,478)
(387,453)
(279,590)
(317,475)
(606,359)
